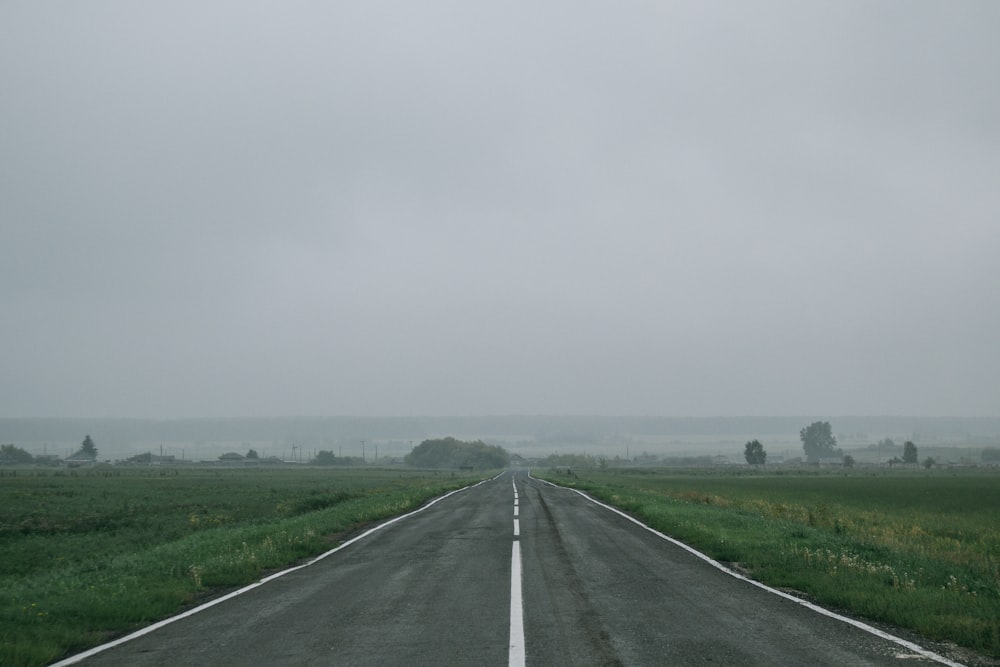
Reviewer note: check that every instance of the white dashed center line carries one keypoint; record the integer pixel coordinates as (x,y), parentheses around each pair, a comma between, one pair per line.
(516,644)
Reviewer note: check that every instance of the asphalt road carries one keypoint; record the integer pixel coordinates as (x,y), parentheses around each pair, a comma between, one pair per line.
(435,588)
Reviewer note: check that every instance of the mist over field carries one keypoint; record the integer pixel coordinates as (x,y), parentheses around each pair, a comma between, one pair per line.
(625,438)
(443,208)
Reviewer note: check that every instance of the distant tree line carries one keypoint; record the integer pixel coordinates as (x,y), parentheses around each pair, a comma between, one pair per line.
(991,455)
(818,442)
(452,453)
(575,461)
(325,457)
(13,455)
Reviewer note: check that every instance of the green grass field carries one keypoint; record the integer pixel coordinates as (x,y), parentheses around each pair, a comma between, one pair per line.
(920,550)
(87,555)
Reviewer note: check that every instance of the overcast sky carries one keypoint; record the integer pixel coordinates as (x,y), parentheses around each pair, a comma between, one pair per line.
(461,208)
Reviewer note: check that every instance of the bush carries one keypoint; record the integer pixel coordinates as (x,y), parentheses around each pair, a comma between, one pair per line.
(452,453)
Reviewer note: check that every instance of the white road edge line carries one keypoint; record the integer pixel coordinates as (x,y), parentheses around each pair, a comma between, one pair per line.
(73,659)
(809,605)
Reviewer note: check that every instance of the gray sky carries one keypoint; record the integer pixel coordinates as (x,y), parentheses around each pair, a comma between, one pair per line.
(453,208)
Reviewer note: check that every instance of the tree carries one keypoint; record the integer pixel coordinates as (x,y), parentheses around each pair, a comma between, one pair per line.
(818,441)
(885,444)
(754,453)
(929,462)
(87,449)
(909,452)
(452,453)
(11,454)
(848,461)
(325,458)
(252,454)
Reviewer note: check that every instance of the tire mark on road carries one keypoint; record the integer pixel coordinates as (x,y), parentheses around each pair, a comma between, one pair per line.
(586,623)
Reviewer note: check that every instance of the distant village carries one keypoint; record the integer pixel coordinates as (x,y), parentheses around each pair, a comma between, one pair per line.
(883,454)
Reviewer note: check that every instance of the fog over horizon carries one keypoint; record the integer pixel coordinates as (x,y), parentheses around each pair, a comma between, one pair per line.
(762,208)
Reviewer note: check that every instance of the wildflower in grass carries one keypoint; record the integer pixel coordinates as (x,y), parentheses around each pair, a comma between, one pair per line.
(832,562)
(954,585)
(33,612)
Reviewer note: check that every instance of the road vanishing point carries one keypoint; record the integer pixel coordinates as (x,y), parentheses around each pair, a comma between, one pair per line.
(511,571)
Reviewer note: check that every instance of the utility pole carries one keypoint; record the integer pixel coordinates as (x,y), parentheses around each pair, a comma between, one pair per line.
(363,459)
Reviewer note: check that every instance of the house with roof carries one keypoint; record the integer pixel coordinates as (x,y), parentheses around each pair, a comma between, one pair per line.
(80,459)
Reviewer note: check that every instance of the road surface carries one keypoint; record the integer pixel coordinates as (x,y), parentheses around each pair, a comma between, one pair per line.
(589,587)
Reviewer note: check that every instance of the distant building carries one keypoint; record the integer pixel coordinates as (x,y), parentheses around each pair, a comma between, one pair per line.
(79,460)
